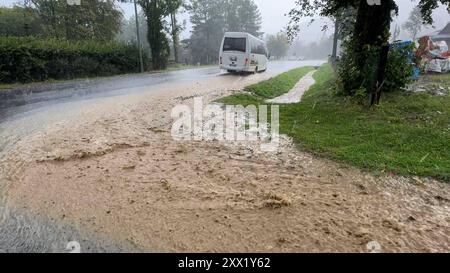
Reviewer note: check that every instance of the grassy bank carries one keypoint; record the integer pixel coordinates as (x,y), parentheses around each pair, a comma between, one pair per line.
(408,134)
(268,89)
(278,85)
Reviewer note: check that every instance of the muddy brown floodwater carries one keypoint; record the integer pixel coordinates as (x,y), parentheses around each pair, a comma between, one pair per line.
(112,169)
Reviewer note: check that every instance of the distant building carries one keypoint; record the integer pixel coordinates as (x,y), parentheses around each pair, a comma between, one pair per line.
(443,35)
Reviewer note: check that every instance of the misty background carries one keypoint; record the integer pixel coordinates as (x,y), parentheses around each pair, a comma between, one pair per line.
(274,19)
(312,41)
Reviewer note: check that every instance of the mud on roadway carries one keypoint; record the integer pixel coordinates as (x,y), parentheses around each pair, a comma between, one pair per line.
(113,171)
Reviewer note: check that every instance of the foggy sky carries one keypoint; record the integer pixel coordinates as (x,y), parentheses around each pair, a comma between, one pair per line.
(274,19)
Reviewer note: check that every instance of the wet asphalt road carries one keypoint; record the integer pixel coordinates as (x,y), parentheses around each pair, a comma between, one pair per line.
(27,110)
(21,232)
(28,100)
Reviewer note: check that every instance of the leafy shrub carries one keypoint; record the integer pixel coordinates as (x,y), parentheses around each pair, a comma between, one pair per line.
(32,59)
(399,69)
(352,81)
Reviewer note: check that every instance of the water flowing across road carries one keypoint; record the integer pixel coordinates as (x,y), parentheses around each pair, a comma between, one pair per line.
(30,110)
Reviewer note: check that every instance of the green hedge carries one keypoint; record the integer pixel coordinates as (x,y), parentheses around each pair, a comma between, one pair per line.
(32,59)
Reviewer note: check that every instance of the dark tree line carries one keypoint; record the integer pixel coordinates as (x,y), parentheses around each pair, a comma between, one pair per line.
(159,25)
(210,20)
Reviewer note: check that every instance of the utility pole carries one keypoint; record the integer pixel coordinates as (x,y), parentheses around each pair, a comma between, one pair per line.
(141,62)
(173,19)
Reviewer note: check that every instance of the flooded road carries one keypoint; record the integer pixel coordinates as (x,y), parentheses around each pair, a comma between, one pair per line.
(36,111)
(102,168)
(31,109)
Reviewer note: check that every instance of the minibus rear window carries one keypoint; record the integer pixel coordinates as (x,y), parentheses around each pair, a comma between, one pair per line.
(234,44)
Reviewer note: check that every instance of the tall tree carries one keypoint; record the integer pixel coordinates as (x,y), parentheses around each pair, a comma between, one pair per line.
(175,27)
(414,24)
(369,36)
(212,18)
(155,11)
(91,20)
(207,18)
(243,16)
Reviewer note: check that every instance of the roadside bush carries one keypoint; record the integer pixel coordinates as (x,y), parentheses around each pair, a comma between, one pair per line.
(399,71)
(30,59)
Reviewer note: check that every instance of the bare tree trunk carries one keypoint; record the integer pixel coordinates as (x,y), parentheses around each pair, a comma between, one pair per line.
(381,75)
(370,36)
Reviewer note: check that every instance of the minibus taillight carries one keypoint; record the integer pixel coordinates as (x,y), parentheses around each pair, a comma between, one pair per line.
(246,61)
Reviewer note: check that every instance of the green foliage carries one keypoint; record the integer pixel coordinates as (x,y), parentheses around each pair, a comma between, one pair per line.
(352,80)
(32,59)
(408,134)
(18,21)
(399,69)
(175,27)
(208,20)
(369,33)
(241,99)
(92,20)
(155,11)
(278,85)
(395,137)
(428,6)
(212,18)
(242,16)
(358,69)
(352,77)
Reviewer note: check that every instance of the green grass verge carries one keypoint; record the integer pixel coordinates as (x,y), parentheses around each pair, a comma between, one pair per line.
(408,134)
(278,85)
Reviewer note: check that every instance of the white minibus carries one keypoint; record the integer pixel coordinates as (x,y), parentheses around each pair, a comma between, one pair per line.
(242,52)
